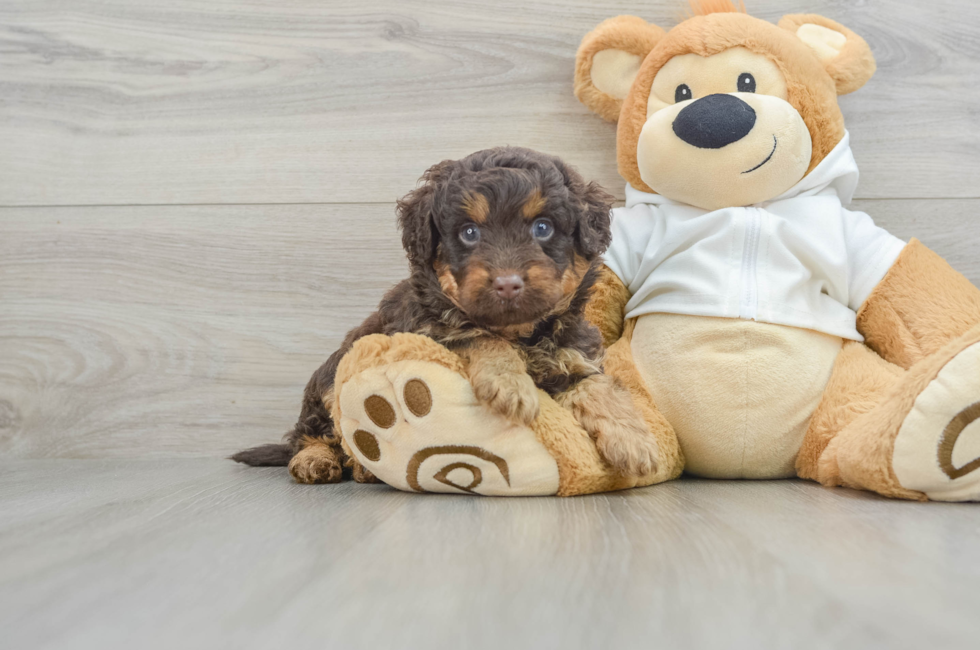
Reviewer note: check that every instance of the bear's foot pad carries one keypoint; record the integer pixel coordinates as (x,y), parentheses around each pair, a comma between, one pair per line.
(937,450)
(418,426)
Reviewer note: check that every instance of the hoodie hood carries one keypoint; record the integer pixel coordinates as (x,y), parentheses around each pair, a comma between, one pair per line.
(838,171)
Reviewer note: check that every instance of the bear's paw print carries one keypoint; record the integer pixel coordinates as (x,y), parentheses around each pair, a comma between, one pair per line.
(419,427)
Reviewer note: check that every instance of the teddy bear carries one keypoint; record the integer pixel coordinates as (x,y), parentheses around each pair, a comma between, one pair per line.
(763,329)
(778,332)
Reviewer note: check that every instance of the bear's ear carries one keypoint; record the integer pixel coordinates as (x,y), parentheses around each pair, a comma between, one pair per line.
(608,60)
(845,55)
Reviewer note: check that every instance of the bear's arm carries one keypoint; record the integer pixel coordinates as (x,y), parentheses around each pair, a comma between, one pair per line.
(607,305)
(632,229)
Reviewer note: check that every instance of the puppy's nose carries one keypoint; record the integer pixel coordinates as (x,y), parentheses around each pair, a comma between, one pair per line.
(714,121)
(508,287)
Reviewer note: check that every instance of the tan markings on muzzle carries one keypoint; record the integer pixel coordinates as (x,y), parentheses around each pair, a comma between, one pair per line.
(961,421)
(412,473)
(476,206)
(533,205)
(543,279)
(477,279)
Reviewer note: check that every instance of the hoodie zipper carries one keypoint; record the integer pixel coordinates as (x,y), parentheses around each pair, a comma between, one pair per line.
(749,301)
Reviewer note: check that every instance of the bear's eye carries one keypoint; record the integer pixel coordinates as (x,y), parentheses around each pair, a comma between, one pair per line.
(746,83)
(469,234)
(682,94)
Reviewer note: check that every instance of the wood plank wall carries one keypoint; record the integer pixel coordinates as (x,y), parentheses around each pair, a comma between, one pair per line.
(196,198)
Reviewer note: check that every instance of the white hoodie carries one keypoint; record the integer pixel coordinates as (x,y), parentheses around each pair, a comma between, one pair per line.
(800,259)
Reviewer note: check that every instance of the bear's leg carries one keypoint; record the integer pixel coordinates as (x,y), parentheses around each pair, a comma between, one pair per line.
(920,305)
(859,382)
(922,438)
(408,415)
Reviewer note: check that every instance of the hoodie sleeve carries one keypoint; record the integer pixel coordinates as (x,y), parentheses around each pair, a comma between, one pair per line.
(871,251)
(631,232)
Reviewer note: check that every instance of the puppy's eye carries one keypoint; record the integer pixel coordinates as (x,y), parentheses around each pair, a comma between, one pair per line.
(682,94)
(542,229)
(746,83)
(470,234)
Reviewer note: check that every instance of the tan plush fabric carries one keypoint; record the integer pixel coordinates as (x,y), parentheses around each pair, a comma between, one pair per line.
(458,445)
(607,305)
(850,66)
(920,305)
(937,449)
(738,393)
(613,72)
(861,456)
(379,350)
(860,381)
(633,37)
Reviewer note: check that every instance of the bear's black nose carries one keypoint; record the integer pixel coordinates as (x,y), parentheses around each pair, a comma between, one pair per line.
(714,121)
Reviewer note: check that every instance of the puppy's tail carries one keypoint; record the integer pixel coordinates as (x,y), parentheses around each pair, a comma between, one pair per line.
(265,456)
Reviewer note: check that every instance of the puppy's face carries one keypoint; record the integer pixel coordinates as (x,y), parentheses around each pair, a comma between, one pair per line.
(509,256)
(515,233)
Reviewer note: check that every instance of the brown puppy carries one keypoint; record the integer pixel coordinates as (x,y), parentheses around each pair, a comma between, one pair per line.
(503,248)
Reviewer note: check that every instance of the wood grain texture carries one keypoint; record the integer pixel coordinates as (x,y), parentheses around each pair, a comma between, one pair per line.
(203,553)
(147,331)
(138,102)
(190,331)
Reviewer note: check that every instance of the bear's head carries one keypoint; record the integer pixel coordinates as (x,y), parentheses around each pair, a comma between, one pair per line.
(724,109)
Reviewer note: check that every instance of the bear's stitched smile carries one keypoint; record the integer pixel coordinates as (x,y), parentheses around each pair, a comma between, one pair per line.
(775,143)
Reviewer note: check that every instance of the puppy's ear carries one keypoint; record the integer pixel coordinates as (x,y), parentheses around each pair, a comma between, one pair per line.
(419,233)
(593,229)
(595,232)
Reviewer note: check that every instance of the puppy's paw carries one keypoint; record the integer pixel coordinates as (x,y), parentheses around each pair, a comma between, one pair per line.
(513,395)
(605,410)
(626,445)
(316,464)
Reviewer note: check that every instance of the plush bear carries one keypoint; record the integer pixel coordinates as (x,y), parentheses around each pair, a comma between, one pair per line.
(778,332)
(763,330)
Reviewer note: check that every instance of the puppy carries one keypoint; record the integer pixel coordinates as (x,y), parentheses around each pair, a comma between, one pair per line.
(503,248)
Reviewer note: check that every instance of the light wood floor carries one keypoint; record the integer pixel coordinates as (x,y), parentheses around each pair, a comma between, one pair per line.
(202,553)
(196,202)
